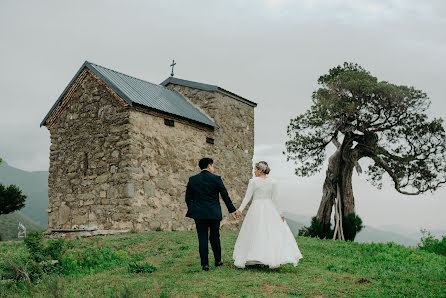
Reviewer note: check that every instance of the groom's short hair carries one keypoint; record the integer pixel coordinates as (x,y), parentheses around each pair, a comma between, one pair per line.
(204,162)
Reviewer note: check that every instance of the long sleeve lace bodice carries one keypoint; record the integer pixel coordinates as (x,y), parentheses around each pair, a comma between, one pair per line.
(260,189)
(264,237)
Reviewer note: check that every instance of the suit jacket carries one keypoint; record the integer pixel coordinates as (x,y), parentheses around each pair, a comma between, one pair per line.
(202,196)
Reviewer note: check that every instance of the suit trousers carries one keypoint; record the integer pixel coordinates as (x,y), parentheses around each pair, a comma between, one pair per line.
(203,226)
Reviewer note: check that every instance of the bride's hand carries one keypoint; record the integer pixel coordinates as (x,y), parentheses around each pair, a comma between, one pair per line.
(283,217)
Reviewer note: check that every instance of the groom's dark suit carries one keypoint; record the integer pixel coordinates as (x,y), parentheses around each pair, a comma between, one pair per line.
(203,205)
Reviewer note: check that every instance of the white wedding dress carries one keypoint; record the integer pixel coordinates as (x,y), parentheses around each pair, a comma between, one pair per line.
(264,238)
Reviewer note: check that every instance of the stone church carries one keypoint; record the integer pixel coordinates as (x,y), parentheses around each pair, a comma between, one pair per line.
(122,150)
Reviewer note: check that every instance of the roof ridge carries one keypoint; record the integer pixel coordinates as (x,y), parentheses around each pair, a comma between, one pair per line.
(139,91)
(193,105)
(128,75)
(205,87)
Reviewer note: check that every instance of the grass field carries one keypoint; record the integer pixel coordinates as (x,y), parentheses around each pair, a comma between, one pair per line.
(329,268)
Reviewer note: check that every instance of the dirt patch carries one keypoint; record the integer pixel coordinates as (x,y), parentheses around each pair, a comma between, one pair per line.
(363,281)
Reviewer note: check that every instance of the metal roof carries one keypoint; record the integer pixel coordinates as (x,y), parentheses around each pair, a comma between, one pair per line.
(205,87)
(136,91)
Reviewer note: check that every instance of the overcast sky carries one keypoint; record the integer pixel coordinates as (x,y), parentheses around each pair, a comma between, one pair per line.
(271,52)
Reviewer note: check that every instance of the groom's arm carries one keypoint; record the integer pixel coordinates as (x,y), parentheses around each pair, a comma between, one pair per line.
(189,196)
(225,196)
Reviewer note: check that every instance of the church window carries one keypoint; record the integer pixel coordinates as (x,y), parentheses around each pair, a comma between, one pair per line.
(169,122)
(209,140)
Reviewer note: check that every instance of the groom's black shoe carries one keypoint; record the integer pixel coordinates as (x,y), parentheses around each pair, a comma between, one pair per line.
(218,264)
(205,267)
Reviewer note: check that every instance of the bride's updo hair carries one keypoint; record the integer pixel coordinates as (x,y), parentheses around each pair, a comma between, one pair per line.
(263,166)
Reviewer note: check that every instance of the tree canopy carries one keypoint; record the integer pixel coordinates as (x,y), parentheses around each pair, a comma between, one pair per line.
(369,118)
(11,198)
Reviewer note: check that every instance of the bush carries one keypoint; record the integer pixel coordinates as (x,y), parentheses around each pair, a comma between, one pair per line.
(39,252)
(431,244)
(352,225)
(317,230)
(34,244)
(31,264)
(21,267)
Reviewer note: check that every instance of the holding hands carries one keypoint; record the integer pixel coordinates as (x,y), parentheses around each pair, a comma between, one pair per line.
(236,214)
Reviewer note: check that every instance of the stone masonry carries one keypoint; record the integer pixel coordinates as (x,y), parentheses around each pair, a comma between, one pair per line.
(121,168)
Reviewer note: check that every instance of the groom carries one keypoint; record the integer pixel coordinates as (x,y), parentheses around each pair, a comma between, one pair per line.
(203,205)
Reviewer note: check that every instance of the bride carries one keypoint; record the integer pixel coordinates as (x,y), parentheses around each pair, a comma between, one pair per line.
(264,237)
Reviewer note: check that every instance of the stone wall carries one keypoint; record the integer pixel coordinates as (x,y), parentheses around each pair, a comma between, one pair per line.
(163,158)
(88,176)
(234,141)
(120,168)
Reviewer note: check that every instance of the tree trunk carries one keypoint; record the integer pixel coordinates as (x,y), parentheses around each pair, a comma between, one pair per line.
(329,190)
(339,171)
(347,199)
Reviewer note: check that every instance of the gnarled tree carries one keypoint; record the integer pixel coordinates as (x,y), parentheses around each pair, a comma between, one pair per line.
(366,118)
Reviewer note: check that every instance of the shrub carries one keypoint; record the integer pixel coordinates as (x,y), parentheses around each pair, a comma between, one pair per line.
(20,267)
(34,244)
(431,244)
(351,225)
(55,249)
(39,252)
(33,265)
(317,230)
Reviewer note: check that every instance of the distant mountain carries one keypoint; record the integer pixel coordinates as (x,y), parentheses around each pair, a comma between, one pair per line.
(34,185)
(413,232)
(9,225)
(295,221)
(371,234)
(388,233)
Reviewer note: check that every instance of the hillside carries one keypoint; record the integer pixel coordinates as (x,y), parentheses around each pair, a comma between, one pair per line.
(34,185)
(9,225)
(391,233)
(329,268)
(372,234)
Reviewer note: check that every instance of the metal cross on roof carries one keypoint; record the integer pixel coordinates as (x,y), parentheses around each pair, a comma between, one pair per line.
(172,65)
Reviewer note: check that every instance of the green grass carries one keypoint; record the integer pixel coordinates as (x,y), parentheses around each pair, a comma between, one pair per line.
(329,268)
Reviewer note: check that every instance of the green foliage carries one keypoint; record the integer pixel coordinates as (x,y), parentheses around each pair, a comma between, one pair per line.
(34,185)
(39,251)
(317,230)
(328,268)
(351,225)
(55,249)
(9,225)
(22,267)
(34,244)
(388,122)
(141,268)
(11,199)
(92,257)
(431,244)
(34,261)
